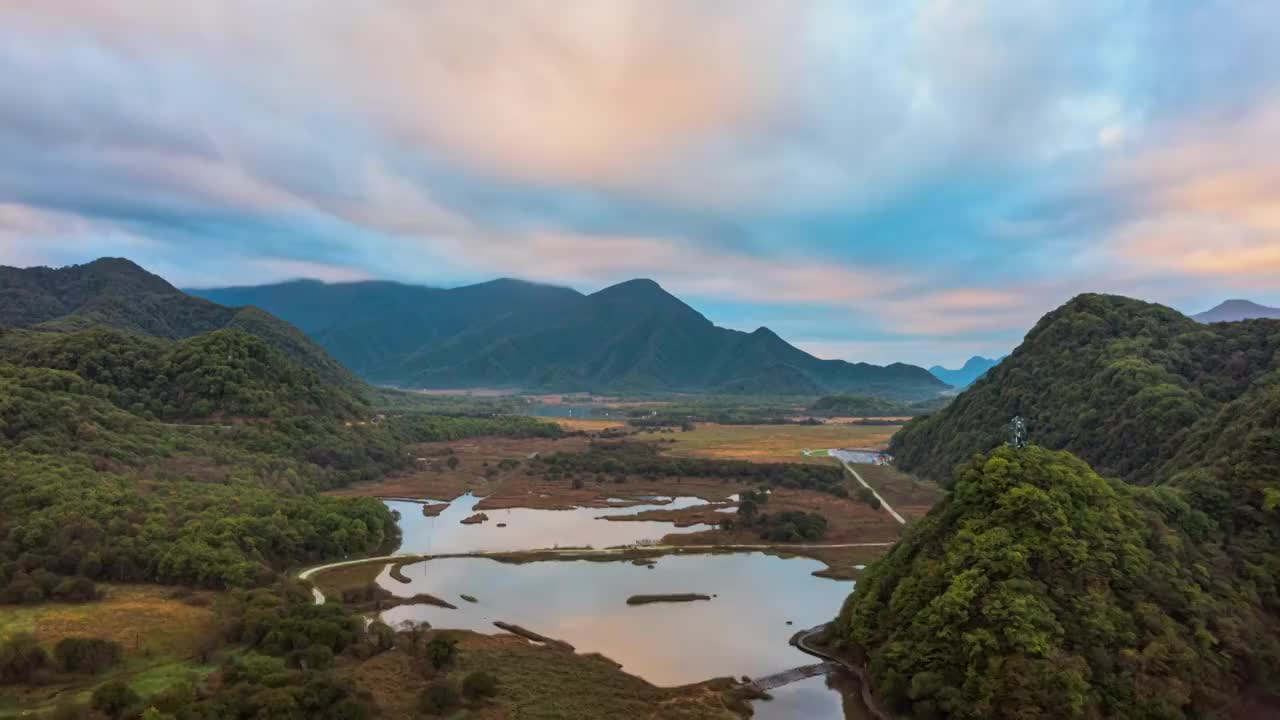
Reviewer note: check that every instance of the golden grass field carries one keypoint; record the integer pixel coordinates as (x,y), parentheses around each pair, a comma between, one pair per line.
(160,636)
(144,619)
(586,424)
(776,443)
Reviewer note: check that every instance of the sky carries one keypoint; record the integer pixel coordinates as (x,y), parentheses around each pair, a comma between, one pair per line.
(912,181)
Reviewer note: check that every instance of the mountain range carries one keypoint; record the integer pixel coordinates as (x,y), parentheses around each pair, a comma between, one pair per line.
(973,368)
(634,336)
(1234,310)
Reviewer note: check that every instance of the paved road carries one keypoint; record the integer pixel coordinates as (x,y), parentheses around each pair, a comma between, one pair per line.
(845,459)
(319,596)
(801,641)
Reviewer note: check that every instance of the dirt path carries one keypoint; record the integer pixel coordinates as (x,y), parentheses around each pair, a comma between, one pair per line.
(849,466)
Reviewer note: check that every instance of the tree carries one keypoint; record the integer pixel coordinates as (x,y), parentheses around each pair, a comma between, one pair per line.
(381,636)
(442,652)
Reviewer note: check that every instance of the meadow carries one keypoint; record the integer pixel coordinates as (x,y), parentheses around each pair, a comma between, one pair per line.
(776,443)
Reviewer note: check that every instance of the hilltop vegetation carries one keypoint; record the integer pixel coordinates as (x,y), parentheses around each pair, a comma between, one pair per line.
(1039,589)
(1119,382)
(225,373)
(115,293)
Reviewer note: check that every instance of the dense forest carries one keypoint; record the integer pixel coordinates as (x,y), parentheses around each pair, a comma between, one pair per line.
(187,459)
(116,293)
(1039,589)
(1119,382)
(167,441)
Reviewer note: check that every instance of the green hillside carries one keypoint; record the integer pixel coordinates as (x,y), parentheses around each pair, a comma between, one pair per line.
(226,373)
(1122,383)
(116,293)
(1039,589)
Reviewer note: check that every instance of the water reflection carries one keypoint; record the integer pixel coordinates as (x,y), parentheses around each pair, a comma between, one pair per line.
(528,529)
(741,631)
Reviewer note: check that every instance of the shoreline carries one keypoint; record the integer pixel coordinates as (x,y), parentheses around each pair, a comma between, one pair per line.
(620,553)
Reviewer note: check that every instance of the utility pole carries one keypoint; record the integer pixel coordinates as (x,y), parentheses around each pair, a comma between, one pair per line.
(1018,432)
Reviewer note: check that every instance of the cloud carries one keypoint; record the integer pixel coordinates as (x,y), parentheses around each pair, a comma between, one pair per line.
(1204,201)
(924,171)
(811,103)
(33,236)
(684,267)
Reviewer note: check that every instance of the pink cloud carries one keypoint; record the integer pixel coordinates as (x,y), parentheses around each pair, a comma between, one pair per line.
(1205,200)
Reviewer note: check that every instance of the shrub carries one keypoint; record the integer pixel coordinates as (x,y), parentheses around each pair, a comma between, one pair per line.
(21,658)
(479,684)
(439,698)
(86,655)
(113,698)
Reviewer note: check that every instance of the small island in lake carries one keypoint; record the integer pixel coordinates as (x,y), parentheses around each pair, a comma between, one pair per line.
(675,597)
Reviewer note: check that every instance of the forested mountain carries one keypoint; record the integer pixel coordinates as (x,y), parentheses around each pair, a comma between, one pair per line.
(116,293)
(1234,310)
(973,368)
(137,448)
(631,336)
(1119,382)
(1037,589)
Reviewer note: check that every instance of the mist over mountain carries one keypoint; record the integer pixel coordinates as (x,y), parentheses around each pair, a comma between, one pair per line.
(1235,310)
(509,333)
(973,368)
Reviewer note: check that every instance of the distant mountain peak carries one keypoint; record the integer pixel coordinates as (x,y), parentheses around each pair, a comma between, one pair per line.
(973,368)
(1237,309)
(638,287)
(114,263)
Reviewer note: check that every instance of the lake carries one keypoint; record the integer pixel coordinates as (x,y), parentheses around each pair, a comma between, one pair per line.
(528,529)
(743,630)
(559,410)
